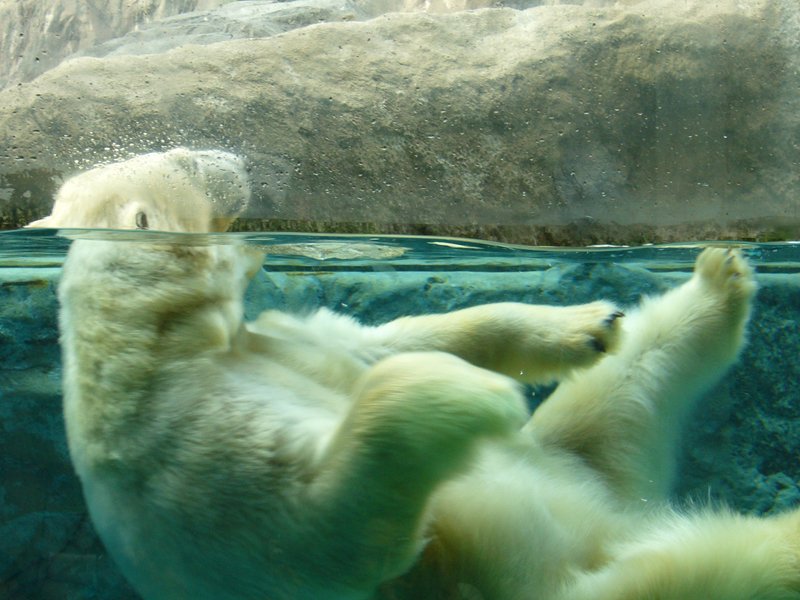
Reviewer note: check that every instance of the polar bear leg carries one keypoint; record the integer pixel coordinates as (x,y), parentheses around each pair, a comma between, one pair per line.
(531,343)
(709,556)
(415,423)
(622,416)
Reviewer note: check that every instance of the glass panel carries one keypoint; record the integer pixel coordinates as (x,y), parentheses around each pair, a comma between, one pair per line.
(403,158)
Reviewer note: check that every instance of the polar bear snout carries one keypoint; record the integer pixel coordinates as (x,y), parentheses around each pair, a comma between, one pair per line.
(222,175)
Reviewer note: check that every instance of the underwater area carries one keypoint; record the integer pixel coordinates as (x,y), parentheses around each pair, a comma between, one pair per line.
(740,448)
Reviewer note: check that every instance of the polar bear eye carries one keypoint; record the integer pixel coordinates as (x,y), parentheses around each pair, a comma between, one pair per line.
(141,220)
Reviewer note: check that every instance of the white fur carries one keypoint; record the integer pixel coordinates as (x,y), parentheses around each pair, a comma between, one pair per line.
(314,458)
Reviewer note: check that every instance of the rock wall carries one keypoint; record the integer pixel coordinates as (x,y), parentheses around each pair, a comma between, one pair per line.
(559,123)
(35,35)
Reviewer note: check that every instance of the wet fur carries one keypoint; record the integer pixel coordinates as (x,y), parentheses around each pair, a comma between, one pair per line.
(315,458)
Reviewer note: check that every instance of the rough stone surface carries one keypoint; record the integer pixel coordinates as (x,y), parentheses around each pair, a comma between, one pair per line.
(601,122)
(36,35)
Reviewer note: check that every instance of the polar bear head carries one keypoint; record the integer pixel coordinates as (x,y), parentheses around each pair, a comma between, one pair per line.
(180,190)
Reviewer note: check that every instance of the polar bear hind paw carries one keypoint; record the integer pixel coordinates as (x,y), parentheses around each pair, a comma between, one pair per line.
(726,271)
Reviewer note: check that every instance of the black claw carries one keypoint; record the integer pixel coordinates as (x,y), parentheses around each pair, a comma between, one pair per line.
(613,317)
(598,345)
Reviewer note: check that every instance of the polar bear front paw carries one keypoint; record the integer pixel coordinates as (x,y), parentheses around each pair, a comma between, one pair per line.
(588,331)
(603,330)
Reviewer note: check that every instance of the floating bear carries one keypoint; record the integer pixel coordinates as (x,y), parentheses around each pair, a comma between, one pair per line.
(315,458)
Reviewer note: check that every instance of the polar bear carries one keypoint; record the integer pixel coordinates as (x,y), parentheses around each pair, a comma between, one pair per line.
(315,458)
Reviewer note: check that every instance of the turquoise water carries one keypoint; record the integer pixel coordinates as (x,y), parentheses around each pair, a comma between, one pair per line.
(741,447)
